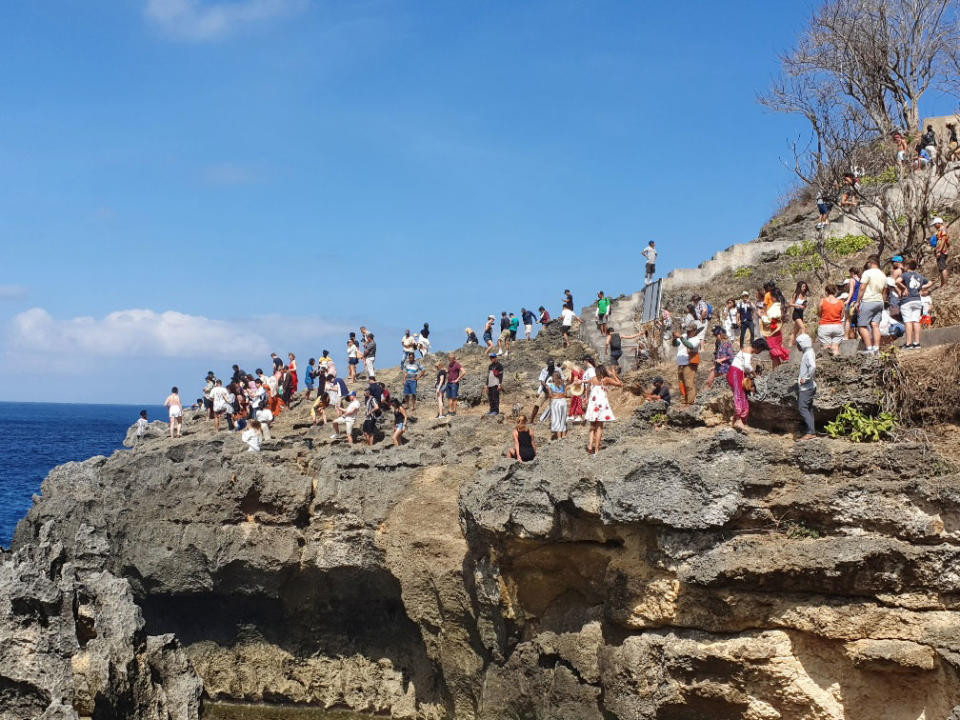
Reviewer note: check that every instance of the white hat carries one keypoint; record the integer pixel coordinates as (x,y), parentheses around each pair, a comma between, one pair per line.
(745,293)
(937,221)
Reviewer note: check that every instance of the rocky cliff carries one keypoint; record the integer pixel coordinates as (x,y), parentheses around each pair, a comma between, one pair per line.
(685,571)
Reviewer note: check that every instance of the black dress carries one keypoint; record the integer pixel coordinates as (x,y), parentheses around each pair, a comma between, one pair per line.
(527,452)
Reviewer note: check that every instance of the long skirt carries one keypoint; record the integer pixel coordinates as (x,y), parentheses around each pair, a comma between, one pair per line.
(558,415)
(577,408)
(296,380)
(777,350)
(741,405)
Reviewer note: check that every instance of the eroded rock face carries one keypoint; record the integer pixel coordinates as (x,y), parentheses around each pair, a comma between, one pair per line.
(74,644)
(684,572)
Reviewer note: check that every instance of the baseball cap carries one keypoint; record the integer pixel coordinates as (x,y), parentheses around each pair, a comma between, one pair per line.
(897,258)
(937,221)
(493,354)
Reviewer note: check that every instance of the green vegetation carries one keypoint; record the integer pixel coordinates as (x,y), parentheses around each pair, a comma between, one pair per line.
(659,419)
(805,248)
(743,272)
(847,245)
(887,177)
(799,531)
(857,426)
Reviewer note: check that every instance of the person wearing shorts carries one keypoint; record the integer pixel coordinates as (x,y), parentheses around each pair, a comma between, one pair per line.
(911,284)
(528,319)
(412,372)
(873,283)
(650,253)
(175,408)
(455,375)
(830,330)
(346,417)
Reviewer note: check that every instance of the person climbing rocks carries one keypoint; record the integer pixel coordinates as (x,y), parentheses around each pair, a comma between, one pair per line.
(346,417)
(528,319)
(741,369)
(567,316)
(806,384)
(940,241)
(614,345)
(722,356)
(688,344)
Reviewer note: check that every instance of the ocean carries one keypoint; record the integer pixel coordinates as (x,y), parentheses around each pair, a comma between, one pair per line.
(36,437)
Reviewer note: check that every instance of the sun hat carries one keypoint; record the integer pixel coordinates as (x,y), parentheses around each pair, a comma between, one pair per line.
(745,293)
(937,221)
(576,388)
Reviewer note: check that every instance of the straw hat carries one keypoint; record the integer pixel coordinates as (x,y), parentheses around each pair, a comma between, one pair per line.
(576,389)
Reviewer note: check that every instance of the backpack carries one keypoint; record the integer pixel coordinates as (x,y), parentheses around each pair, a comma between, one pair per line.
(709,311)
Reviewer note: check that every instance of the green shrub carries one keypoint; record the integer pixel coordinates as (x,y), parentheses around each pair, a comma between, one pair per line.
(887,177)
(804,248)
(659,419)
(743,272)
(799,531)
(807,265)
(857,426)
(847,245)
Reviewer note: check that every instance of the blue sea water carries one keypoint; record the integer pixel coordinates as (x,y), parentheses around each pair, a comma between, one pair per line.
(36,437)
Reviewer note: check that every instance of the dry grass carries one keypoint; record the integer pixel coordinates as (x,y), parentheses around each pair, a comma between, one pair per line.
(924,387)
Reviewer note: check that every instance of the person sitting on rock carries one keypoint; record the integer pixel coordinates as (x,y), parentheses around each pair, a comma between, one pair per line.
(346,417)
(524,444)
(659,392)
(250,435)
(471,337)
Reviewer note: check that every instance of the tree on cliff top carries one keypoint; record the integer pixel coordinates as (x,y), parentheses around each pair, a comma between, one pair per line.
(858,74)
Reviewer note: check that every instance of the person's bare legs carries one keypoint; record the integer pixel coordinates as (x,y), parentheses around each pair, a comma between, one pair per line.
(875,331)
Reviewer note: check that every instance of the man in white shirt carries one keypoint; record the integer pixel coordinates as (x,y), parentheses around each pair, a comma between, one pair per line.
(650,253)
(567,317)
(873,285)
(346,417)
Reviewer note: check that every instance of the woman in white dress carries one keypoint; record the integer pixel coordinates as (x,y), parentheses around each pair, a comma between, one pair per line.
(558,406)
(598,406)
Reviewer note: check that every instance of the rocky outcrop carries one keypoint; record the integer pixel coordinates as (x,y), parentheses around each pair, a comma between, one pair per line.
(74,643)
(686,571)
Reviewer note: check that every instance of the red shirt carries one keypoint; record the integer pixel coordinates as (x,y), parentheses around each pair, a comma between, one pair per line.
(454,372)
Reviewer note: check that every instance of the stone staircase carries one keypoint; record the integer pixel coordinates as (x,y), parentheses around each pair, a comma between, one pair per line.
(626,308)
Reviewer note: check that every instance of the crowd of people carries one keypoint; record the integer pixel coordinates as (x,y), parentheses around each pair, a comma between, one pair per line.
(869,303)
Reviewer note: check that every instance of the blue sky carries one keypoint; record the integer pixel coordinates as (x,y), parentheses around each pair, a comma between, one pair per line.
(262,175)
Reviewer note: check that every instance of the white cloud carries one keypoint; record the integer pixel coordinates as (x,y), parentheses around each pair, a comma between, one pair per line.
(147,333)
(198,20)
(12,292)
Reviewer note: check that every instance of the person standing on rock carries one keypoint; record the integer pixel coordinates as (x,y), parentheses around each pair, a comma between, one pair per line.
(441,385)
(544,317)
(873,284)
(650,253)
(423,340)
(799,307)
(371,411)
(852,295)
(567,316)
(309,376)
(294,378)
(542,391)
(412,372)
(370,357)
(722,356)
(528,319)
(599,411)
(503,342)
(175,407)
(488,332)
(806,385)
(494,383)
(941,248)
(688,344)
(603,311)
(455,375)
(408,344)
(830,327)
(210,383)
(568,299)
(353,359)
(399,422)
(558,406)
(740,369)
(219,396)
(771,323)
(912,285)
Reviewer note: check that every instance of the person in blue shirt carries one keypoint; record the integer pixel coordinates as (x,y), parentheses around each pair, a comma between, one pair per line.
(412,372)
(310,376)
(528,319)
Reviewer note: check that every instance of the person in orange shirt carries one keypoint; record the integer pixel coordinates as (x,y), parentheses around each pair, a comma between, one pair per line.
(830,330)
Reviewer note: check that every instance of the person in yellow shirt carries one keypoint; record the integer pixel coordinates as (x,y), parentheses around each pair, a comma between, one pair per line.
(873,285)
